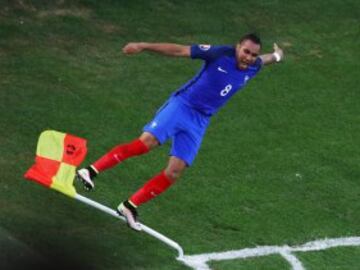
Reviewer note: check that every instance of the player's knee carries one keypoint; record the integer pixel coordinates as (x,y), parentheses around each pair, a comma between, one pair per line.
(149,140)
(175,168)
(173,173)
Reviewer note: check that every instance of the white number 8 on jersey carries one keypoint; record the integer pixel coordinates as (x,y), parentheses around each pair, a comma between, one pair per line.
(226,90)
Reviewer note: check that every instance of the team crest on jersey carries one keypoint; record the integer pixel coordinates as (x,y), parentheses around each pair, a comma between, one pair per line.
(204,47)
(246,78)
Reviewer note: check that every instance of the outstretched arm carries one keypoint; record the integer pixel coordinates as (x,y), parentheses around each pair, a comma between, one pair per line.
(274,57)
(169,49)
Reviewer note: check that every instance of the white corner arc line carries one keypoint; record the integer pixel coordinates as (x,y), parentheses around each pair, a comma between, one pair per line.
(199,262)
(292,259)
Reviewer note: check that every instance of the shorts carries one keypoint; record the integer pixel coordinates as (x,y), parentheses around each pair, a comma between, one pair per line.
(182,124)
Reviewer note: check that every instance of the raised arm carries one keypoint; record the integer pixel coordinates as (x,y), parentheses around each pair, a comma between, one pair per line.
(169,49)
(274,57)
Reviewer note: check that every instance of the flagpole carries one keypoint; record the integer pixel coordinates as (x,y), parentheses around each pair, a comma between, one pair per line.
(144,228)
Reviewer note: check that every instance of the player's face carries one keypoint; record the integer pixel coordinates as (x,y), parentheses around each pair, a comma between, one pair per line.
(246,53)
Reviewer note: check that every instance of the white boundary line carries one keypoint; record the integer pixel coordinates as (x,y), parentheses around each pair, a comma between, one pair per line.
(199,262)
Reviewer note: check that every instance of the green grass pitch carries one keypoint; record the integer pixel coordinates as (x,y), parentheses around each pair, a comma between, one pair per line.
(280,164)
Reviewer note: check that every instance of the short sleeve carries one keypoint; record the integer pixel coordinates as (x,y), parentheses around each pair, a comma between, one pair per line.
(259,62)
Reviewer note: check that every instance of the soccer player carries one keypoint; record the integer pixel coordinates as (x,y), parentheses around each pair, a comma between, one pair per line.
(186,114)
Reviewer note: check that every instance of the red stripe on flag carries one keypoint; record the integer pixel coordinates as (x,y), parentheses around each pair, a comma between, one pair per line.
(43,171)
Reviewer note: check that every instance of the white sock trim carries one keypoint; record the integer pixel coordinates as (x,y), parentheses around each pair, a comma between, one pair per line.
(93,167)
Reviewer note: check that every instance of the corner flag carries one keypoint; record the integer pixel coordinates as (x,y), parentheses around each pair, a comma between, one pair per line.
(57,156)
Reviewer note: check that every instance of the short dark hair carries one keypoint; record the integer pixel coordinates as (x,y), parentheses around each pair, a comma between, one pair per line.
(251,36)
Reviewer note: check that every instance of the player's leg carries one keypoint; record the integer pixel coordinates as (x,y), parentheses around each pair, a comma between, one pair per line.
(119,153)
(186,143)
(160,182)
(152,188)
(156,132)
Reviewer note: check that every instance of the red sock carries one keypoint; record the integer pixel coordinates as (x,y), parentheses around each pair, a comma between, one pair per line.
(151,189)
(120,153)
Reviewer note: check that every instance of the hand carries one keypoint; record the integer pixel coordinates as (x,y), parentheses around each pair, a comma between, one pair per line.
(279,51)
(133,48)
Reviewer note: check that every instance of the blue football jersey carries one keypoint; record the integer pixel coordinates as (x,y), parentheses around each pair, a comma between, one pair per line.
(217,81)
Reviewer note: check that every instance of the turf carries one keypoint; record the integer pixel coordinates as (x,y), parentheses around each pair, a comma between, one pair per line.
(271,262)
(332,259)
(279,164)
